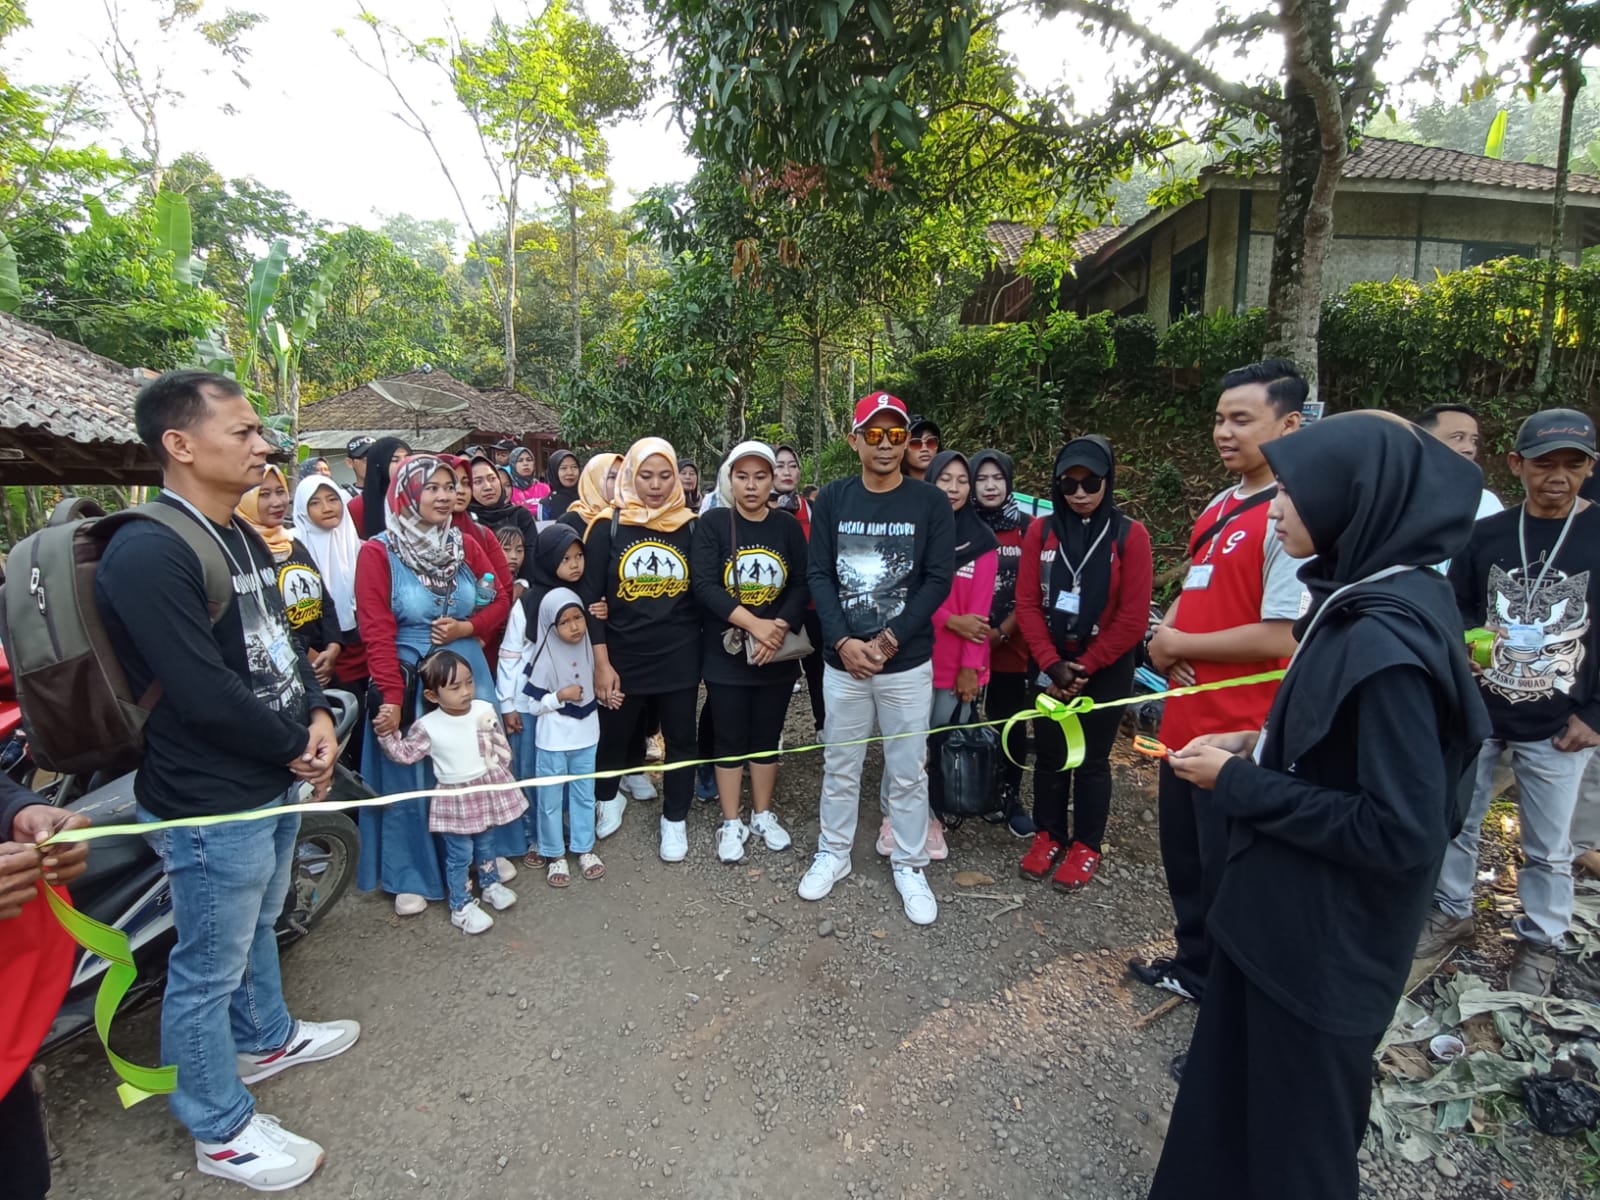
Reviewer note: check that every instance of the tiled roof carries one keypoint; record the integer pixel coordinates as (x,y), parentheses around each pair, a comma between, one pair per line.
(497,410)
(1010,238)
(1380,158)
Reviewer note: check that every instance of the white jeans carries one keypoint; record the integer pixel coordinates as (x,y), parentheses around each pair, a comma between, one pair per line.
(894,703)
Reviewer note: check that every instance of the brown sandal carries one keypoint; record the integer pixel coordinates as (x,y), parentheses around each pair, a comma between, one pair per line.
(534,859)
(557,875)
(590,866)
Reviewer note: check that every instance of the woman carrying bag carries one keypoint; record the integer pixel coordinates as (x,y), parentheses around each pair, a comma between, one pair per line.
(1083,601)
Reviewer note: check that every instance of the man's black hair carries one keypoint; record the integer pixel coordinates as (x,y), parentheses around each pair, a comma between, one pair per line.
(173,400)
(1430,415)
(1286,387)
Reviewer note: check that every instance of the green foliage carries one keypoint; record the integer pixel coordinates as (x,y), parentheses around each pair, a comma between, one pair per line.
(1206,345)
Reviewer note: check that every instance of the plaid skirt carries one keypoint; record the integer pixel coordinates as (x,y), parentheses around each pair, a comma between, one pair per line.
(477,811)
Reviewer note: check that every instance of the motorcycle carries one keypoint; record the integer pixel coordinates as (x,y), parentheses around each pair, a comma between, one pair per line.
(124,886)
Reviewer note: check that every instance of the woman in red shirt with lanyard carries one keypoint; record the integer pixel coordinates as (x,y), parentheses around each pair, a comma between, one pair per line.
(1083,601)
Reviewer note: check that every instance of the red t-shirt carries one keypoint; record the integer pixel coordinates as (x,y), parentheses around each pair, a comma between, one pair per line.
(1251,579)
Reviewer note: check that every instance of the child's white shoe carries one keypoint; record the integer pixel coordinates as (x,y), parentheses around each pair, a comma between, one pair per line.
(773,834)
(499,896)
(409,904)
(506,869)
(674,840)
(469,918)
(731,840)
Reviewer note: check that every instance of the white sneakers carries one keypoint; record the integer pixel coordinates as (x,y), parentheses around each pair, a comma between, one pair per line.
(499,896)
(674,840)
(409,904)
(608,815)
(826,869)
(311,1041)
(638,786)
(921,908)
(470,918)
(731,839)
(263,1155)
(773,834)
(506,868)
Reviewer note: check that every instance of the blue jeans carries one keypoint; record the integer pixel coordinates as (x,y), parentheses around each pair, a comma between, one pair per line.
(461,850)
(578,797)
(224,994)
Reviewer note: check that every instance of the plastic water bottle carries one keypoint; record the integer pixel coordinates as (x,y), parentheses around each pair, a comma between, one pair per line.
(485,588)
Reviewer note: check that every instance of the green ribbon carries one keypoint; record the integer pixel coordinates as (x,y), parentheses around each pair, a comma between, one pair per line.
(140,1083)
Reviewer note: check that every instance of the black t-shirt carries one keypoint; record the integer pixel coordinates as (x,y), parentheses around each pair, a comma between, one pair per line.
(772,585)
(881,559)
(312,615)
(235,697)
(1532,688)
(652,627)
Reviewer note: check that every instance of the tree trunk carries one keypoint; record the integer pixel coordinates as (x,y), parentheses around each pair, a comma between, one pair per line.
(1545,364)
(508,298)
(572,274)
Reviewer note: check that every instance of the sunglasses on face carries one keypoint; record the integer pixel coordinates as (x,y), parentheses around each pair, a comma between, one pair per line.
(875,435)
(1071,487)
(926,442)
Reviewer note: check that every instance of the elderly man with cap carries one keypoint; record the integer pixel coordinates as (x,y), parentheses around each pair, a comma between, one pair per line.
(922,443)
(1531,576)
(502,451)
(356,451)
(882,559)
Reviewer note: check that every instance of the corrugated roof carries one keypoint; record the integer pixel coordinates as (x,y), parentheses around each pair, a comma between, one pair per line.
(1380,158)
(500,410)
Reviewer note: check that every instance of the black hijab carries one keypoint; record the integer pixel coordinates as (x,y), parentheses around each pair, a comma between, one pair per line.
(561,497)
(1087,542)
(375,491)
(491,514)
(545,553)
(1006,515)
(973,537)
(1376,492)
(691,498)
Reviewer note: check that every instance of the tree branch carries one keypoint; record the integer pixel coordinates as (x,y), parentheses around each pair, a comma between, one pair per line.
(1364,72)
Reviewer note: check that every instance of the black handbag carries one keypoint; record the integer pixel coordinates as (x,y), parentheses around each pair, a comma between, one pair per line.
(408,699)
(962,765)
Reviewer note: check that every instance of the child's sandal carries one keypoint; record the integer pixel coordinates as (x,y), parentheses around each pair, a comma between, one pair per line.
(556,874)
(590,866)
(534,860)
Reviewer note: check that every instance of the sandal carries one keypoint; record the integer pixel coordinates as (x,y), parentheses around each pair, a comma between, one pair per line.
(590,866)
(534,859)
(557,875)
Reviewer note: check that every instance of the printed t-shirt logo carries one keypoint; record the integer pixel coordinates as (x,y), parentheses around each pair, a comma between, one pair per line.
(1542,648)
(651,570)
(762,576)
(302,593)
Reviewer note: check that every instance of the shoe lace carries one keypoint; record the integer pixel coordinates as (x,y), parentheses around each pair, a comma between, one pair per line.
(267,1128)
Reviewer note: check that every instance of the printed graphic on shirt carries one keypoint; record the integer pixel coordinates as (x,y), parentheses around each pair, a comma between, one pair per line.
(650,570)
(1542,647)
(1005,582)
(274,676)
(876,559)
(762,576)
(302,593)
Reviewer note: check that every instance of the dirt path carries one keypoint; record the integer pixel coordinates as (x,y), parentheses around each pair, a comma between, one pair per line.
(698,1031)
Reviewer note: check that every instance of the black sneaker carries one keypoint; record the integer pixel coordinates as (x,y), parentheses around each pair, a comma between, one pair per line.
(1162,973)
(1021,824)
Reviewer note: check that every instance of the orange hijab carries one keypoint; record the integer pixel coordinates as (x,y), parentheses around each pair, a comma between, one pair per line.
(278,539)
(672,515)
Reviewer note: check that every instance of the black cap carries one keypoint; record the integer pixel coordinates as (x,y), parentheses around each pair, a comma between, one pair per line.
(357,447)
(1555,429)
(505,444)
(920,422)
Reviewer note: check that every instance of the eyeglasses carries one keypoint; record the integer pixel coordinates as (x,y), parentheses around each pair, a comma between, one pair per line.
(1071,487)
(875,434)
(926,442)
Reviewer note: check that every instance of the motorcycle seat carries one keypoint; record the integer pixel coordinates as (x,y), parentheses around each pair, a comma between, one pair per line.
(119,867)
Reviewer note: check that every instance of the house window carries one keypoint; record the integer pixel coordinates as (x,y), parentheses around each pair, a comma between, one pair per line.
(1475,254)
(1188,294)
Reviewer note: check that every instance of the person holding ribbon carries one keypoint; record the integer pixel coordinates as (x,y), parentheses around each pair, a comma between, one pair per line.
(1083,602)
(1338,813)
(416,589)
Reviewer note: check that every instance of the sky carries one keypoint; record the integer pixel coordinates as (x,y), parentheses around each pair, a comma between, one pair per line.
(318,125)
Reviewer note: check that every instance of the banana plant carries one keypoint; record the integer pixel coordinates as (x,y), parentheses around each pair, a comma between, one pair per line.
(287,342)
(10,278)
(266,277)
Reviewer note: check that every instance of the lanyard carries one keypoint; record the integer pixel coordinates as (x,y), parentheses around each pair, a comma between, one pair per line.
(1530,591)
(1087,555)
(252,574)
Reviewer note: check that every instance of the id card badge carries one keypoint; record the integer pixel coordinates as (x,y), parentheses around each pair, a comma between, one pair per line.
(1528,639)
(1198,578)
(282,654)
(1068,602)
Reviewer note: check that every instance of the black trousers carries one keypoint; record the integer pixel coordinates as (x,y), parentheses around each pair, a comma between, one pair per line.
(1008,692)
(747,722)
(1087,789)
(1270,1108)
(811,664)
(620,730)
(23,1151)
(1194,847)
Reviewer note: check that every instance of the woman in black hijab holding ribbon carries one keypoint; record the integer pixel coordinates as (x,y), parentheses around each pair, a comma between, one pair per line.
(1083,602)
(1339,812)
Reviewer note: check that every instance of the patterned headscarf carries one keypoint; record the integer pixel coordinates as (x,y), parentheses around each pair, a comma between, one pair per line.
(674,514)
(433,553)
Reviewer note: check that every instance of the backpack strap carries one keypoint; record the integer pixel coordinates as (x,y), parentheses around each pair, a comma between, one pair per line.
(1264,496)
(214,568)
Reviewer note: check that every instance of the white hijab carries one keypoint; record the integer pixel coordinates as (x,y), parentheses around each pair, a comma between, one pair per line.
(556,663)
(333,550)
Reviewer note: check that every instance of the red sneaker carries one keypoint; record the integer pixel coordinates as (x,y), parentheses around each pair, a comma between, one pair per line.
(1076,869)
(1041,856)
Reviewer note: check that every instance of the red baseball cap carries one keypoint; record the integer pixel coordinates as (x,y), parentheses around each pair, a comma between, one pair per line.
(870,406)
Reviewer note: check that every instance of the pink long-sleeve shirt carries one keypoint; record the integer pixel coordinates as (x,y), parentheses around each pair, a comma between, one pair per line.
(972,591)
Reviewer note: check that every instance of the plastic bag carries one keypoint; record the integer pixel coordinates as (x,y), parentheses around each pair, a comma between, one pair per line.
(965,760)
(1560,1106)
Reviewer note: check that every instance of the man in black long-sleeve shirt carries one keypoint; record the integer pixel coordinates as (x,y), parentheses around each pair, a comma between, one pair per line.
(240,724)
(1531,575)
(882,557)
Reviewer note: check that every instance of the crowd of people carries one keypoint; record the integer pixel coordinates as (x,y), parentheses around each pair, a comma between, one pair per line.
(1317,834)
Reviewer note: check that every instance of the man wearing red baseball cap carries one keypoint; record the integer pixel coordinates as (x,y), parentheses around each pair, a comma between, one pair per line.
(882,559)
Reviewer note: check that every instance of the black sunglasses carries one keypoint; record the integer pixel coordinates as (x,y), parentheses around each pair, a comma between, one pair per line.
(1070,486)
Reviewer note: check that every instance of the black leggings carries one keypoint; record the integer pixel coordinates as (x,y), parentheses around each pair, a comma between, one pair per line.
(747,722)
(1008,693)
(23,1149)
(1087,788)
(619,728)
(811,664)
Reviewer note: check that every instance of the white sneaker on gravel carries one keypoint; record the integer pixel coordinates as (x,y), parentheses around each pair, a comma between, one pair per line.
(730,841)
(499,896)
(470,918)
(638,786)
(674,840)
(608,815)
(773,834)
(506,868)
(409,904)
(263,1155)
(826,869)
(921,908)
(311,1041)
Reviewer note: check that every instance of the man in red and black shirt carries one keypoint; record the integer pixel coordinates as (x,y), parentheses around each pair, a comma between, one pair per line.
(1234,617)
